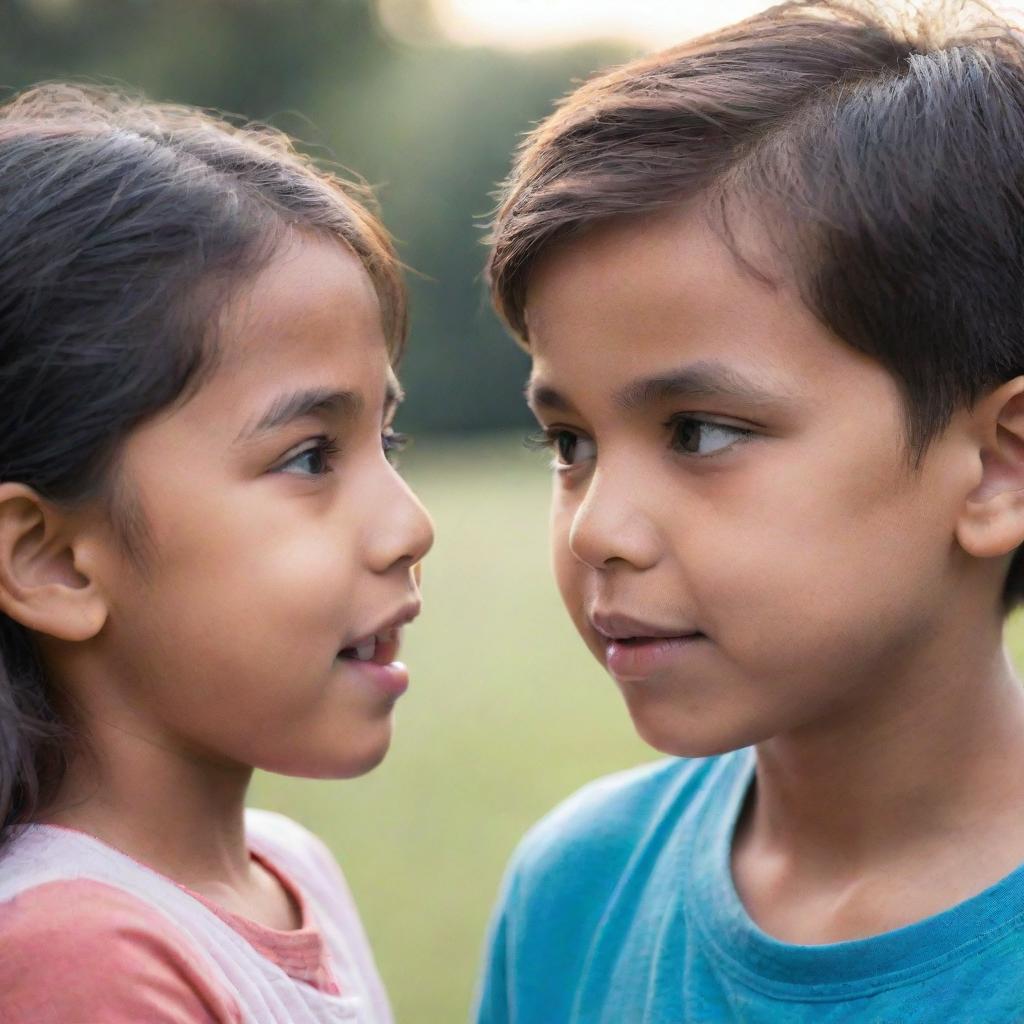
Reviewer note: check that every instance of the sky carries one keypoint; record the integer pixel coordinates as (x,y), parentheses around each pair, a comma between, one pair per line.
(529,24)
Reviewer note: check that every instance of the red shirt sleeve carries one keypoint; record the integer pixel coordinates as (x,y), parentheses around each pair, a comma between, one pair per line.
(78,952)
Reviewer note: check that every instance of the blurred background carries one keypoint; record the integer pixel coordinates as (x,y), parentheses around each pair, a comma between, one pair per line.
(426,99)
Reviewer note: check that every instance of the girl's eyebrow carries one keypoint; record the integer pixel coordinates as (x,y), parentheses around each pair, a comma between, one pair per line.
(317,402)
(394,396)
(298,404)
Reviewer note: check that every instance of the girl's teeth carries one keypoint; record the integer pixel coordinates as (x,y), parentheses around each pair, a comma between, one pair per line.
(364,652)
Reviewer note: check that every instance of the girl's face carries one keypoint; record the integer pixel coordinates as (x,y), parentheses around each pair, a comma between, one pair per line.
(281,541)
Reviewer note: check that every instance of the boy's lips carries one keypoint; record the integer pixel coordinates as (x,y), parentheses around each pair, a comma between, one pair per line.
(634,649)
(616,626)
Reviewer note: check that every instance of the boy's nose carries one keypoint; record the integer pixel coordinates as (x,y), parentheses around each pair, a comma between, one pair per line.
(609,528)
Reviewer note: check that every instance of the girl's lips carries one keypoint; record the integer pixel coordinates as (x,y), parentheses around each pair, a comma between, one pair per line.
(391,678)
(381,670)
(639,658)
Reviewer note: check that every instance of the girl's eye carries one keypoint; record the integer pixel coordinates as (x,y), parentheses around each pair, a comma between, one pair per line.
(392,442)
(569,448)
(313,460)
(693,436)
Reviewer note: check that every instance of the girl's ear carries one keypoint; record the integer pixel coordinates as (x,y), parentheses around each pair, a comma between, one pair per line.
(45,581)
(991,523)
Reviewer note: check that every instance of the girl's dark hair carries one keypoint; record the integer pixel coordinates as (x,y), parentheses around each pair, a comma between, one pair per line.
(886,159)
(122,226)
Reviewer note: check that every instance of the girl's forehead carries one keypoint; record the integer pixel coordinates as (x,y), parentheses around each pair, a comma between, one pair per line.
(303,332)
(312,291)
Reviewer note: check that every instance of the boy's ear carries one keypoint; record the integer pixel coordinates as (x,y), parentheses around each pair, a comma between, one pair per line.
(44,581)
(991,523)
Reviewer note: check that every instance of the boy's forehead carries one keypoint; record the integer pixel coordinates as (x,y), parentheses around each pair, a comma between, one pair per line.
(645,310)
(627,269)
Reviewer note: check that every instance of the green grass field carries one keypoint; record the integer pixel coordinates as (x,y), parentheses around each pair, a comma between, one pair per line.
(506,714)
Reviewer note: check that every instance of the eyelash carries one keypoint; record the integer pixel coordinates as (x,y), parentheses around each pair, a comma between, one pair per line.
(324,447)
(393,442)
(550,438)
(741,434)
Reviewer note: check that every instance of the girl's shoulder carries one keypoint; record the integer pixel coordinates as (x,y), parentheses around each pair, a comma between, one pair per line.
(147,914)
(293,847)
(81,949)
(305,860)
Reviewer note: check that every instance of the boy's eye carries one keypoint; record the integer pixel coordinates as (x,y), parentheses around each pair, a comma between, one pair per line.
(313,460)
(693,436)
(393,442)
(569,447)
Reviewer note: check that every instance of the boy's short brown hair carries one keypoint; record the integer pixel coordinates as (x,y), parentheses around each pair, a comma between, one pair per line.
(886,159)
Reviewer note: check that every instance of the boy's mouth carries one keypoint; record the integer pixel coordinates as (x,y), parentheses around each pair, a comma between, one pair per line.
(636,641)
(623,629)
(635,650)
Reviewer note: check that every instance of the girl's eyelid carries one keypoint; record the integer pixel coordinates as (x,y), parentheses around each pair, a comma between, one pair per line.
(324,443)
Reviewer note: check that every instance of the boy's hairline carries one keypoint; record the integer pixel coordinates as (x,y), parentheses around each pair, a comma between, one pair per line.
(774,278)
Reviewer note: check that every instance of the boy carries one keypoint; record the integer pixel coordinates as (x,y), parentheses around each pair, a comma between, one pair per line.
(771,282)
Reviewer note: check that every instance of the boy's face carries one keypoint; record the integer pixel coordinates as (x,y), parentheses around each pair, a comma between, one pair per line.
(281,538)
(736,532)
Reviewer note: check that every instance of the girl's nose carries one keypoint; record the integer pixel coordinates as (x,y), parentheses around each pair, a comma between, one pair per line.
(401,531)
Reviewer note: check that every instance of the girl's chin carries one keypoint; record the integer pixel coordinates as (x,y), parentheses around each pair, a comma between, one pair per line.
(347,761)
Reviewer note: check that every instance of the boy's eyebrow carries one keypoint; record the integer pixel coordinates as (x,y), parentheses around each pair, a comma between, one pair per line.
(704,379)
(542,396)
(317,401)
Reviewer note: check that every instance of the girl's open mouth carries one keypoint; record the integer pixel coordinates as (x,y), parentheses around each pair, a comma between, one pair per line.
(381,648)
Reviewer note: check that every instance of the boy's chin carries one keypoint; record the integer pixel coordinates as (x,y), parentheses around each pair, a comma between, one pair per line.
(680,735)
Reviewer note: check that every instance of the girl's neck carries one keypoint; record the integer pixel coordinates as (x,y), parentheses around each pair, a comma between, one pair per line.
(167,808)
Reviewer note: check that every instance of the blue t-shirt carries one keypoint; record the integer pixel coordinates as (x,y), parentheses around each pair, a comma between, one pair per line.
(619,908)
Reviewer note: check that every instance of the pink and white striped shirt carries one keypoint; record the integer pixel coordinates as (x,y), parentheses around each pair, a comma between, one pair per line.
(88,935)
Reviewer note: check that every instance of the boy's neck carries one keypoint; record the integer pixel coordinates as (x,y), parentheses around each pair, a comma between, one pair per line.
(928,778)
(864,784)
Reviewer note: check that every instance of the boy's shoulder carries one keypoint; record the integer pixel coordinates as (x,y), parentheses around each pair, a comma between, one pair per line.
(607,820)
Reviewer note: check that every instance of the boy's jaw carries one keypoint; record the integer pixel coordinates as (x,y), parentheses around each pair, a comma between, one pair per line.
(635,650)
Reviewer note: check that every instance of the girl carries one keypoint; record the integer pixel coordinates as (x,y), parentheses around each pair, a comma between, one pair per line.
(206,560)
